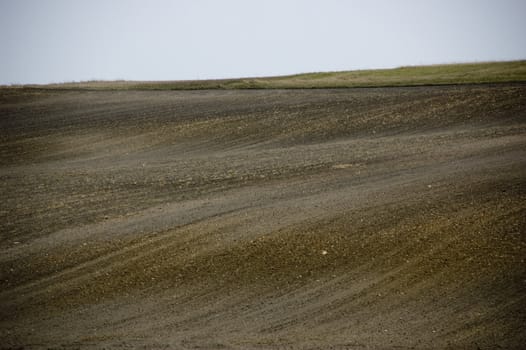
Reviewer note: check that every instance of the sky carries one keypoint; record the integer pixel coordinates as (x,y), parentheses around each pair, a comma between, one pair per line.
(50,41)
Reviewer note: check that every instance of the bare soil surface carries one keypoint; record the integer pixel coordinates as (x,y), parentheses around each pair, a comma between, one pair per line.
(380,218)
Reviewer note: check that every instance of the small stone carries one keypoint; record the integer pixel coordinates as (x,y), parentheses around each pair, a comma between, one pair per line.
(323,252)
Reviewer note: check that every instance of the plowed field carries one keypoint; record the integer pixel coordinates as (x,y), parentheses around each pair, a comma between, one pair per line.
(374,218)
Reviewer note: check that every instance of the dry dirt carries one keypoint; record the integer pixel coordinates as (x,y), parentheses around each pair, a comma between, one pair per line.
(380,218)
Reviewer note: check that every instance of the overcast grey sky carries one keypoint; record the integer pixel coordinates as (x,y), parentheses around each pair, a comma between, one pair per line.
(46,41)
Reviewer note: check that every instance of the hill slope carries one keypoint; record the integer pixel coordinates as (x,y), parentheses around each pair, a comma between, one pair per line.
(268,219)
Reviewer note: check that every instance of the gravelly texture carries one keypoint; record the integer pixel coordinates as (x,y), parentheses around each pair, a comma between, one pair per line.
(299,219)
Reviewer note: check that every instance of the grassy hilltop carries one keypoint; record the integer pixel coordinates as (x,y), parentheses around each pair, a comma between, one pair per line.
(467,73)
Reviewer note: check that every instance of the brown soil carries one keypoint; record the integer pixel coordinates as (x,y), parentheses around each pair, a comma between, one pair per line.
(385,218)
